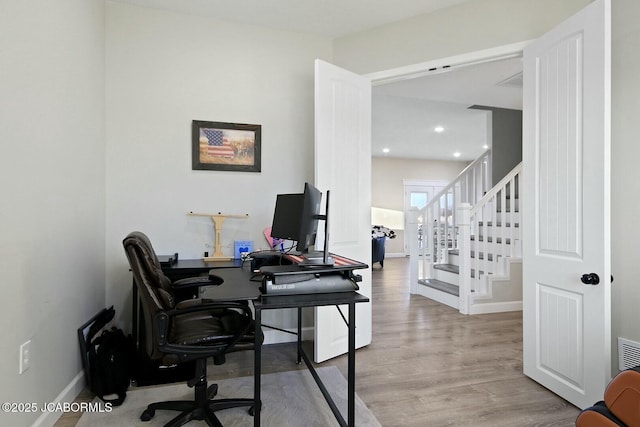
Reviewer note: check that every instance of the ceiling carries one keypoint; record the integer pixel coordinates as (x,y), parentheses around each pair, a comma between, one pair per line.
(406,112)
(331,18)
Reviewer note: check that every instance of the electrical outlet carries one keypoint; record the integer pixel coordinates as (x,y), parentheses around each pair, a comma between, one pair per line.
(25,356)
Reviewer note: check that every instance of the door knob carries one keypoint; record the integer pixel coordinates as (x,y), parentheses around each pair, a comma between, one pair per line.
(590,279)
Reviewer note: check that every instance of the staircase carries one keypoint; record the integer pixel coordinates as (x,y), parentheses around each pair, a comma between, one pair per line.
(466,249)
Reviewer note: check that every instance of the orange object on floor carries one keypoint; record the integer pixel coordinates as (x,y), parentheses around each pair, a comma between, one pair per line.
(621,404)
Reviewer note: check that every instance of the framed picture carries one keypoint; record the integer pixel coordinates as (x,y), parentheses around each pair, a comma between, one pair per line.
(225,146)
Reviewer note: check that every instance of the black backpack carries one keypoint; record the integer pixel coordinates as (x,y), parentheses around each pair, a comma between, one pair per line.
(110,365)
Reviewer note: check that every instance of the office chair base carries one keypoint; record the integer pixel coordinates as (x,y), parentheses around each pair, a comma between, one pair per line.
(191,410)
(202,408)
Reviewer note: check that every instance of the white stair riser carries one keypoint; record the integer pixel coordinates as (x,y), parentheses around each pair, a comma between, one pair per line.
(454,259)
(446,276)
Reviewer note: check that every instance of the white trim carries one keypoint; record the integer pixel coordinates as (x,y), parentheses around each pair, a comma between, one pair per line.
(495,307)
(69,394)
(395,255)
(442,65)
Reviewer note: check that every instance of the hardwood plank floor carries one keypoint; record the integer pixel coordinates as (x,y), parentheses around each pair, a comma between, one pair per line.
(428,365)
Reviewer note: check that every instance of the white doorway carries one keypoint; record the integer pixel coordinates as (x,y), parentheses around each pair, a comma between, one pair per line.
(417,193)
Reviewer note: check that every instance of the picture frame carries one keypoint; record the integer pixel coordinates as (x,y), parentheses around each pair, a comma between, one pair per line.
(224,146)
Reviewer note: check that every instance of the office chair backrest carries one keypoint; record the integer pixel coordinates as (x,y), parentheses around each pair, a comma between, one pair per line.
(154,288)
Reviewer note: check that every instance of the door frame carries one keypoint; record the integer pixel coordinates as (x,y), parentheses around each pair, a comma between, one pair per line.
(446,64)
(417,185)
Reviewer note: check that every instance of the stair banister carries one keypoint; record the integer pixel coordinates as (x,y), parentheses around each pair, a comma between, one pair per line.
(464,231)
(414,267)
(469,186)
(484,211)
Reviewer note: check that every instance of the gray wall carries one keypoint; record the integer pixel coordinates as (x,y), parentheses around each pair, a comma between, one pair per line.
(506,140)
(165,70)
(625,178)
(52,201)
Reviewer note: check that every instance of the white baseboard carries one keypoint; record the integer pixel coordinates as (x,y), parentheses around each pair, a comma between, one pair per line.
(495,307)
(395,255)
(68,395)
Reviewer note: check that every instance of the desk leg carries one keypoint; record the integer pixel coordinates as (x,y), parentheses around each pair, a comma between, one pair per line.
(351,374)
(257,368)
(299,359)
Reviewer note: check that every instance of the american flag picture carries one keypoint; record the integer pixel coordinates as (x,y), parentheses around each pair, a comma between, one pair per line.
(225,146)
(218,145)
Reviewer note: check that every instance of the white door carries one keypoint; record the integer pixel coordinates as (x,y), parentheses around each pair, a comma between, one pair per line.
(343,166)
(566,208)
(416,196)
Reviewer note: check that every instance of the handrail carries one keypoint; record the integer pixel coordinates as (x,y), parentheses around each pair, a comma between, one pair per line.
(496,188)
(464,172)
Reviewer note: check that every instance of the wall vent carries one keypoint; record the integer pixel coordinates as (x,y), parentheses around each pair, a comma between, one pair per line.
(628,354)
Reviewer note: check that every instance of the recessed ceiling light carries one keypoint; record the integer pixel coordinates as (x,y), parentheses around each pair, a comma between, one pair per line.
(385,150)
(485,146)
(456,154)
(438,129)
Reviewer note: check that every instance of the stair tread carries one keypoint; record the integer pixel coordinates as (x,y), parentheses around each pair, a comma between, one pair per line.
(451,268)
(449,288)
(473,254)
(499,224)
(490,239)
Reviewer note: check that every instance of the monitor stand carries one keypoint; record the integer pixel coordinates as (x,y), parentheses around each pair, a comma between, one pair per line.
(317,259)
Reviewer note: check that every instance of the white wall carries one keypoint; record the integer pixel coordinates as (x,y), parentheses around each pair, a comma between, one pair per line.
(463,28)
(165,70)
(625,183)
(53,188)
(387,186)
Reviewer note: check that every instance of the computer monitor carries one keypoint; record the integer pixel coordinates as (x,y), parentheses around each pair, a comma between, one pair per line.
(286,218)
(296,218)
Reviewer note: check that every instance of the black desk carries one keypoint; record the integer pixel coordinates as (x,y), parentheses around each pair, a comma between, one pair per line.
(313,300)
(238,286)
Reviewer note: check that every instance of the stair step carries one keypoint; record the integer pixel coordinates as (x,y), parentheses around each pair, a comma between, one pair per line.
(498,224)
(451,268)
(481,256)
(448,288)
(473,254)
(490,239)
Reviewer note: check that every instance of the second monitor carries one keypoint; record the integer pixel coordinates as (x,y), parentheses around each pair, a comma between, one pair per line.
(296,218)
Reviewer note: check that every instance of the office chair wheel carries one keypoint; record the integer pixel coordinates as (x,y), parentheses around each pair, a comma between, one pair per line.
(147,415)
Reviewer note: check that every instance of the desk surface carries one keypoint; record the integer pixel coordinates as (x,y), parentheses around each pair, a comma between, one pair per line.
(237,285)
(200,264)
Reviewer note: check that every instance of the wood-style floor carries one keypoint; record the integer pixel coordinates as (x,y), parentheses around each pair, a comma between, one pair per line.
(428,365)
